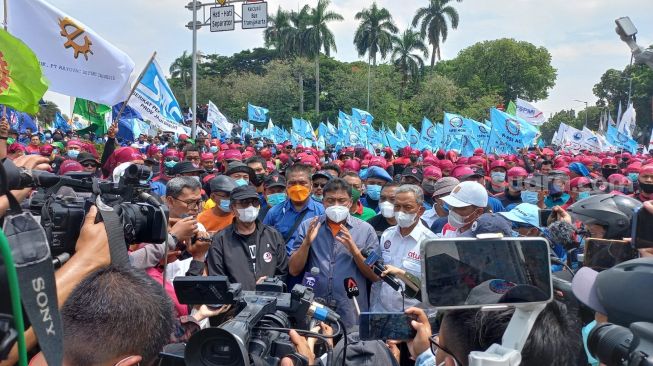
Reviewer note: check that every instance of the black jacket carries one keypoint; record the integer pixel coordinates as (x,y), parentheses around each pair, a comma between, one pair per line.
(230,256)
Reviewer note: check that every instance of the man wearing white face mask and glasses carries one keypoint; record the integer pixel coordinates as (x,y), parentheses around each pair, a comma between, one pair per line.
(333,243)
(247,251)
(467,201)
(400,247)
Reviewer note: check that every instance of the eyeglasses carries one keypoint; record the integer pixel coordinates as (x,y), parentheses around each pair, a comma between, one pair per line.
(89,165)
(193,158)
(319,185)
(435,346)
(191,205)
(247,202)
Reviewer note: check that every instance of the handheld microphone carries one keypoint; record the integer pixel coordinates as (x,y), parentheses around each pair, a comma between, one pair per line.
(323,313)
(310,278)
(375,262)
(351,287)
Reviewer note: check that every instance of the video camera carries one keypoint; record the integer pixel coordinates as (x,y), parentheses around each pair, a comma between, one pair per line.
(258,331)
(63,201)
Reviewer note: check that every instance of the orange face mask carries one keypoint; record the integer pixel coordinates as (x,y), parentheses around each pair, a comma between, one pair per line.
(298,193)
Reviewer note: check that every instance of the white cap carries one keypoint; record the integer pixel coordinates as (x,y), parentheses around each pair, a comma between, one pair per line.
(467,194)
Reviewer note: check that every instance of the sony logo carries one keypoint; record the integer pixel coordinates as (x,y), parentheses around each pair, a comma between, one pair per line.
(38,285)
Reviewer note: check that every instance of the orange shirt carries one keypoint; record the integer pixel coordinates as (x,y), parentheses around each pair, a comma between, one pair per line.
(214,223)
(334,227)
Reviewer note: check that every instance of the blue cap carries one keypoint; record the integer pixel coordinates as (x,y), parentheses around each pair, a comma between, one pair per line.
(525,213)
(377,173)
(489,223)
(579,168)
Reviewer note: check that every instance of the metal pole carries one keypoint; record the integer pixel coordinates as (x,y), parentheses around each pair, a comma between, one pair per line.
(369,73)
(630,89)
(585,114)
(5,18)
(194,72)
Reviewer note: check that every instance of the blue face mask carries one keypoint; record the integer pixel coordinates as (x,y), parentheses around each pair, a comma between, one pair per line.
(224,205)
(582,195)
(273,150)
(529,197)
(515,234)
(73,154)
(633,177)
(374,191)
(317,198)
(241,182)
(170,164)
(277,198)
(213,149)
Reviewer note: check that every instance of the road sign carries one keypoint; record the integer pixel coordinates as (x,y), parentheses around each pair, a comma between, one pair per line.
(222,18)
(255,15)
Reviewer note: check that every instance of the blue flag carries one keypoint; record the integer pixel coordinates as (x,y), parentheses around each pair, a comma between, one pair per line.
(365,118)
(431,135)
(130,128)
(456,130)
(257,114)
(394,142)
(61,123)
(413,137)
(511,131)
(303,128)
(20,121)
(246,128)
(620,140)
(480,133)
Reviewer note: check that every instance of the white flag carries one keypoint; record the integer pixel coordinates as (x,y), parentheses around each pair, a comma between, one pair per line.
(529,112)
(214,116)
(573,138)
(650,144)
(554,139)
(591,141)
(627,122)
(75,60)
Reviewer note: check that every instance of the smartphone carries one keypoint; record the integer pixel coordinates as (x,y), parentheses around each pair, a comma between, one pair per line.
(544,215)
(601,254)
(194,290)
(385,326)
(642,236)
(476,273)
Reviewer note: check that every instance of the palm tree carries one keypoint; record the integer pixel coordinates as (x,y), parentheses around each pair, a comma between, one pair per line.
(374,35)
(405,60)
(182,68)
(434,23)
(318,37)
(278,26)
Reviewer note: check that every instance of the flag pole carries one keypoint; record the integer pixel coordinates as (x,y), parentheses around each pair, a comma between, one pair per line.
(4,107)
(140,77)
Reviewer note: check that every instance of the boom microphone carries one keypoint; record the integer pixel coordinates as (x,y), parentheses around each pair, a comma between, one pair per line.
(375,262)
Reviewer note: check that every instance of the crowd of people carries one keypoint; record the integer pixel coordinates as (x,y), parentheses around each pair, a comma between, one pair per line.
(250,209)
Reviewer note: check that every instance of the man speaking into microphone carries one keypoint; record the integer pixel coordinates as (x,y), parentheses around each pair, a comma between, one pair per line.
(400,247)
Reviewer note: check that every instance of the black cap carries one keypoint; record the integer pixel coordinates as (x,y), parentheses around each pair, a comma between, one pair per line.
(478,173)
(239,167)
(413,172)
(84,157)
(185,167)
(322,174)
(243,193)
(274,180)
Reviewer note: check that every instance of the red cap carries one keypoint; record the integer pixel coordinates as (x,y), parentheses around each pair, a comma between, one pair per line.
(646,169)
(498,164)
(579,181)
(183,137)
(478,151)
(206,156)
(70,166)
(284,157)
(618,179)
(462,161)
(15,147)
(266,153)
(476,160)
(432,172)
(634,167)
(233,154)
(461,171)
(606,161)
(152,150)
(171,154)
(248,154)
(378,161)
(517,172)
(446,164)
(351,165)
(430,161)
(547,151)
(46,150)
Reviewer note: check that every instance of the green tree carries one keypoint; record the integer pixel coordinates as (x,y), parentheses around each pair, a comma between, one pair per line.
(182,69)
(407,59)
(319,38)
(47,111)
(278,27)
(436,95)
(504,66)
(434,24)
(374,35)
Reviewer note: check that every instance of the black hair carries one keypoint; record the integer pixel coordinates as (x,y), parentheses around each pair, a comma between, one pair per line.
(350,174)
(555,338)
(299,168)
(390,185)
(190,147)
(332,167)
(256,159)
(107,305)
(337,184)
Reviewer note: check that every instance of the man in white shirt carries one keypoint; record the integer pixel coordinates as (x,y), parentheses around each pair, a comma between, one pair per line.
(400,246)
(466,202)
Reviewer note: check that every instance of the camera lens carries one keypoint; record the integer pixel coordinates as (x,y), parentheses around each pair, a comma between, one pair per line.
(610,343)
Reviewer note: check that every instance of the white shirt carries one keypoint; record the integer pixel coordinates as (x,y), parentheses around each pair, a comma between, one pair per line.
(180,267)
(429,216)
(402,252)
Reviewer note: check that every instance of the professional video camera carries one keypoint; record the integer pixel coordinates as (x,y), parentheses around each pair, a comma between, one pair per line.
(258,333)
(62,210)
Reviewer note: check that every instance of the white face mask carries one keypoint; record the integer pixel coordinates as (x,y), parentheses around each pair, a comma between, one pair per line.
(405,220)
(337,213)
(498,177)
(387,209)
(456,220)
(248,214)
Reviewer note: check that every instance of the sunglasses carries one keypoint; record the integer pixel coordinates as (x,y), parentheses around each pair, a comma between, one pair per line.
(89,165)
(319,185)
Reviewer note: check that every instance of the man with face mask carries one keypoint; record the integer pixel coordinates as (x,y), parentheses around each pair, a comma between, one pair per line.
(511,196)
(431,175)
(400,247)
(609,166)
(357,209)
(436,217)
(220,216)
(375,179)
(207,163)
(645,181)
(247,251)
(240,173)
(386,216)
(333,243)
(467,201)
(497,182)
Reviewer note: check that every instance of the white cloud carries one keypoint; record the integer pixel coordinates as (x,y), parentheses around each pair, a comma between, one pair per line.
(579,34)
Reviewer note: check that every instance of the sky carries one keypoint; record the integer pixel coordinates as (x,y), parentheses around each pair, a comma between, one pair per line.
(579,34)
